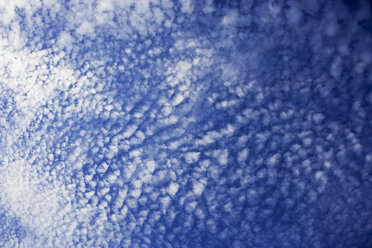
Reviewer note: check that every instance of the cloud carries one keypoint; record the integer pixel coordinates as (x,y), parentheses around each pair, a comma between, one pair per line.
(156,123)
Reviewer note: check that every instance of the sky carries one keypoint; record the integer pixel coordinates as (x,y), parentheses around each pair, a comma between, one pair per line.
(194,123)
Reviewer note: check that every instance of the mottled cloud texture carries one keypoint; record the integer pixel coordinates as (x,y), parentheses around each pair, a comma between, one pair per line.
(185,123)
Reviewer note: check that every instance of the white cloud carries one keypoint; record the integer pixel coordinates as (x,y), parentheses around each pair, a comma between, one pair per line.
(187,6)
(221,156)
(86,28)
(192,157)
(243,155)
(172,188)
(198,188)
(65,41)
(150,166)
(177,99)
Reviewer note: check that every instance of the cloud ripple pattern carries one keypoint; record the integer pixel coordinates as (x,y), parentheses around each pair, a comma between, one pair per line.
(211,123)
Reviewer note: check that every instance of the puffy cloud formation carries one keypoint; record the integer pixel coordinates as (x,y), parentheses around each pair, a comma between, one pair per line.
(185,124)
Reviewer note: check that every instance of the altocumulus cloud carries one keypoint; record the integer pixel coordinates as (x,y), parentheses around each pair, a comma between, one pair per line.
(185,123)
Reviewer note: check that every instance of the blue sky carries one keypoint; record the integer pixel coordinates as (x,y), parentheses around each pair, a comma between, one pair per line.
(185,123)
